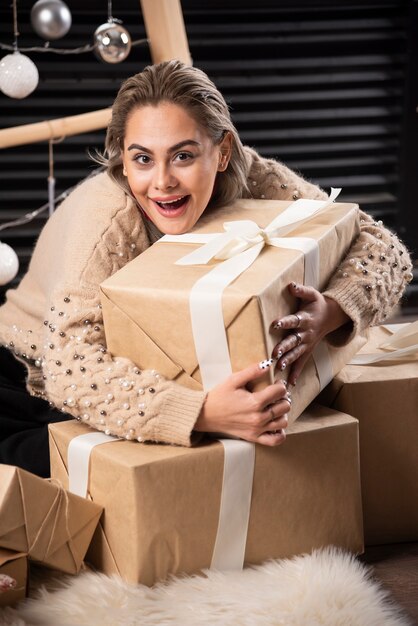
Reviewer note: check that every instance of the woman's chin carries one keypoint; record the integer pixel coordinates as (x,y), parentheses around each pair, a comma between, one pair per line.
(174,229)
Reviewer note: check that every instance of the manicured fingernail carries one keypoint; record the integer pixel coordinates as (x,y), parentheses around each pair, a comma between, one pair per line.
(277,355)
(294,285)
(283,365)
(277,325)
(284,382)
(263,365)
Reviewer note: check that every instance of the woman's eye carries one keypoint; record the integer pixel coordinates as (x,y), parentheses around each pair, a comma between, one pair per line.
(184,156)
(143,159)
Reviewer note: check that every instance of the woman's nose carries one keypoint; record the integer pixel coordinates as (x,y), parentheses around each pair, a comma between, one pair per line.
(164,178)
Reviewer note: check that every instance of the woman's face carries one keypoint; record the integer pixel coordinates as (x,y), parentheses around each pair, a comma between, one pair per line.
(171,165)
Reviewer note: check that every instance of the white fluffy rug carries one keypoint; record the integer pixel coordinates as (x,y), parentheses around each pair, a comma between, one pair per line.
(326,588)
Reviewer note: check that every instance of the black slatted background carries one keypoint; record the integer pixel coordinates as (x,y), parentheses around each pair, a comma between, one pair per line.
(319,85)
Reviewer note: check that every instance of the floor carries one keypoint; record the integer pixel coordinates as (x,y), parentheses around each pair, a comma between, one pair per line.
(396,567)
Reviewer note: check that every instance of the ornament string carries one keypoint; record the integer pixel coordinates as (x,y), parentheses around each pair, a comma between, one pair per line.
(109,11)
(28,217)
(79,50)
(15,28)
(51,177)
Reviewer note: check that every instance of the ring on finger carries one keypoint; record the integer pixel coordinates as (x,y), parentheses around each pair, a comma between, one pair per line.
(298,338)
(299,318)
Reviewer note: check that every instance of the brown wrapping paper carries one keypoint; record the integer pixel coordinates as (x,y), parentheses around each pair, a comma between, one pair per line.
(14,564)
(146,304)
(384,398)
(161,503)
(40,518)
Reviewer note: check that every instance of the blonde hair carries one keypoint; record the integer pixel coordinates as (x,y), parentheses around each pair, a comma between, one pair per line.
(188,87)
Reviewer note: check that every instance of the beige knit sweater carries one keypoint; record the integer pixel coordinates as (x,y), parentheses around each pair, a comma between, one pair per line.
(53,320)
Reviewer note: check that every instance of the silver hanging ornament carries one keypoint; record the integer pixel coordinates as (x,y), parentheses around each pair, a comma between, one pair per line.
(112,42)
(9,263)
(51,19)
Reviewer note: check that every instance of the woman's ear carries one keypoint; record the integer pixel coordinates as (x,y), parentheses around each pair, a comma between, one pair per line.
(225,151)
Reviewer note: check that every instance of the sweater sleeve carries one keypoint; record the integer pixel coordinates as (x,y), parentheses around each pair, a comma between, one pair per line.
(110,394)
(371,279)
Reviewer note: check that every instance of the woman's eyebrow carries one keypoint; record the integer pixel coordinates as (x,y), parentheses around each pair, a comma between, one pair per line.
(177,146)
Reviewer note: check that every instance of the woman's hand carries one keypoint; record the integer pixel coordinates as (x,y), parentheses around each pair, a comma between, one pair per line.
(316,317)
(259,416)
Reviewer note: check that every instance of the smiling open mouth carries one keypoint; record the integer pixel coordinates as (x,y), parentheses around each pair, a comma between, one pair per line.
(172,205)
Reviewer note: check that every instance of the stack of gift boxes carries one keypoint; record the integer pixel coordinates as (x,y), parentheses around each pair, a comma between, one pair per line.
(345,475)
(40,521)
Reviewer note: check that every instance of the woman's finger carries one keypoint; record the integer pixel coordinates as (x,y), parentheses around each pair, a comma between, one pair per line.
(291,341)
(297,368)
(270,394)
(272,438)
(300,318)
(303,292)
(291,356)
(250,373)
(277,410)
(293,321)
(278,419)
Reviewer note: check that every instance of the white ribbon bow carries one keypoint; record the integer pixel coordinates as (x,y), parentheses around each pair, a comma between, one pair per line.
(241,235)
(403,345)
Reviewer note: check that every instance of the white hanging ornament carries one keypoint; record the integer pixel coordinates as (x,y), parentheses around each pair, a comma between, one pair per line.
(9,263)
(51,19)
(112,42)
(18,75)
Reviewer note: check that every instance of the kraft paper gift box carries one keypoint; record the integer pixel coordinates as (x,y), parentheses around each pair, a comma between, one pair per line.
(40,518)
(162,504)
(146,305)
(14,564)
(384,398)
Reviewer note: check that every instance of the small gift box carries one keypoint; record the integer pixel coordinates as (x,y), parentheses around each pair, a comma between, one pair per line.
(170,509)
(380,389)
(40,518)
(195,320)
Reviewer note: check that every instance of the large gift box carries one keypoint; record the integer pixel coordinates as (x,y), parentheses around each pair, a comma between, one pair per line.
(15,565)
(170,509)
(189,324)
(40,518)
(383,396)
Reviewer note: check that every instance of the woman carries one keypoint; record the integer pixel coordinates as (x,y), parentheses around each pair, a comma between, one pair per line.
(172,153)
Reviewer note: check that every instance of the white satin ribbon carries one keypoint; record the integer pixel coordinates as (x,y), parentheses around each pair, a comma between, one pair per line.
(78,459)
(234,514)
(403,345)
(239,247)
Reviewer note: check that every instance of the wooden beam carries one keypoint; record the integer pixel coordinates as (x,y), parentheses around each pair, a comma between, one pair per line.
(54,129)
(165,29)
